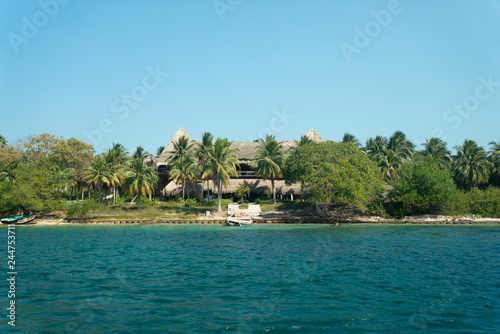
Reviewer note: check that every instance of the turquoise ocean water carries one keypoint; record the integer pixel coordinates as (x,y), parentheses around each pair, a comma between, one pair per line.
(256,279)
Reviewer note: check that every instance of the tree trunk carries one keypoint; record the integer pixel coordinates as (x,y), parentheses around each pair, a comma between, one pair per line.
(274,191)
(183,186)
(208,190)
(71,196)
(83,191)
(100,197)
(189,202)
(219,194)
(139,200)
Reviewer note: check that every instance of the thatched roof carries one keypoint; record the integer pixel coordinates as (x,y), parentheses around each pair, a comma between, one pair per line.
(256,186)
(244,150)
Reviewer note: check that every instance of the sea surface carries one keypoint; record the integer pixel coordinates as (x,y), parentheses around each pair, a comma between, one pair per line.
(256,279)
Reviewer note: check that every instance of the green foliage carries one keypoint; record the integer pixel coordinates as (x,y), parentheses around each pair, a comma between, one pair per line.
(422,188)
(334,173)
(193,202)
(36,188)
(268,160)
(242,191)
(471,165)
(485,203)
(82,210)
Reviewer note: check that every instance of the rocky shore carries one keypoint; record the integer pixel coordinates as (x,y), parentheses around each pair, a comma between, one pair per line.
(284,218)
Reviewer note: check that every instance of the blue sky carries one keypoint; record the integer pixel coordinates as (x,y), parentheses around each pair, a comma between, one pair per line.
(133,72)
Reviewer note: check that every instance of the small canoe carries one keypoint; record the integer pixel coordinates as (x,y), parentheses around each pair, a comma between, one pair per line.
(13,219)
(26,220)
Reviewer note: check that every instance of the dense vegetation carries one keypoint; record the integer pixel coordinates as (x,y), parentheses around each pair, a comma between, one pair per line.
(387,176)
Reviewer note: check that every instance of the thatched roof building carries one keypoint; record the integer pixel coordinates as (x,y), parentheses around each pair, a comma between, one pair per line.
(244,150)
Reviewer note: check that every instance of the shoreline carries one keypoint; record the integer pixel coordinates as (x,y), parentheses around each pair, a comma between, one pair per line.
(285,219)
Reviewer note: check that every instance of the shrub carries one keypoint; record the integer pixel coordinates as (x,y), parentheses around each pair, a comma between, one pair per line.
(422,188)
(82,210)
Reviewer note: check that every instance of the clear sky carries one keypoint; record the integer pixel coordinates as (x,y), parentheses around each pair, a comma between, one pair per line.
(133,72)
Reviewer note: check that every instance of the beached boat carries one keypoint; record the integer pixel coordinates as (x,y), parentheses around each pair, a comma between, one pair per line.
(22,219)
(239,220)
(240,217)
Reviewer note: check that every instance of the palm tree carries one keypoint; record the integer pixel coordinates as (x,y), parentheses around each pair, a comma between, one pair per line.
(242,191)
(140,153)
(185,169)
(350,138)
(3,141)
(182,151)
(494,157)
(99,174)
(160,150)
(268,160)
(139,180)
(390,154)
(201,153)
(223,159)
(304,140)
(435,151)
(470,164)
(116,159)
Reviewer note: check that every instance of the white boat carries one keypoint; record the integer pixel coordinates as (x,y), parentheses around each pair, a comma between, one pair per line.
(243,220)
(242,217)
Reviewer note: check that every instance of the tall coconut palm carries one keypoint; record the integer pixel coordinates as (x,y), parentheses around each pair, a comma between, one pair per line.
(350,138)
(435,151)
(201,153)
(183,150)
(140,153)
(268,160)
(494,157)
(470,164)
(185,170)
(223,159)
(99,174)
(3,141)
(116,159)
(160,150)
(304,140)
(139,180)
(390,154)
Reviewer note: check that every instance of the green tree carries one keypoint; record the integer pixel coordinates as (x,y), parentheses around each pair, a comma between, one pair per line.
(140,153)
(494,158)
(3,142)
(185,170)
(304,140)
(422,187)
(435,151)
(182,151)
(223,159)
(242,191)
(37,189)
(334,173)
(100,174)
(390,154)
(350,138)
(160,150)
(471,166)
(202,152)
(139,180)
(268,160)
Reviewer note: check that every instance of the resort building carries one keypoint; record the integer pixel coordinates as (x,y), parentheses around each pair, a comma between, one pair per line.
(246,174)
